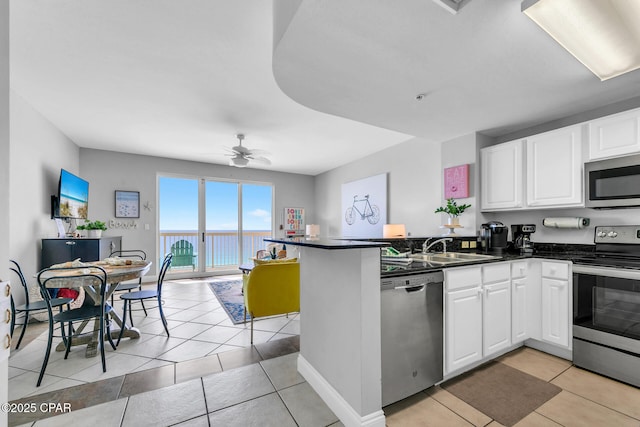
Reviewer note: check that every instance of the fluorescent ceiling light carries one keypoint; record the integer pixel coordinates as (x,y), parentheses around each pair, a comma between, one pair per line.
(452,6)
(602,34)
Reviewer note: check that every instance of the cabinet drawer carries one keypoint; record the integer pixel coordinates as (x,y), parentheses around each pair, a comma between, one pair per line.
(555,270)
(460,278)
(518,269)
(498,272)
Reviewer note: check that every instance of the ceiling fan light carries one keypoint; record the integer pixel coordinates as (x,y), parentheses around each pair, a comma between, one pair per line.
(602,34)
(239,162)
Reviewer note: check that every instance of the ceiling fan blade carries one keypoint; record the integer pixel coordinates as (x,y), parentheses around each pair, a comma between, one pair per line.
(262,160)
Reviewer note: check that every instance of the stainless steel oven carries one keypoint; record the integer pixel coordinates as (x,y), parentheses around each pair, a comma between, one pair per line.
(613,183)
(606,305)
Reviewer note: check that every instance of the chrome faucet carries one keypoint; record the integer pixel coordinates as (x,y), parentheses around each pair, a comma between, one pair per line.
(426,245)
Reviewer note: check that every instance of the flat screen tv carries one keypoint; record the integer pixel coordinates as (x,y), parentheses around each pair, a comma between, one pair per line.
(73,197)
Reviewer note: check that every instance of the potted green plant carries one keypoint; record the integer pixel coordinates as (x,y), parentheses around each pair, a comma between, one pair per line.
(453,210)
(94,228)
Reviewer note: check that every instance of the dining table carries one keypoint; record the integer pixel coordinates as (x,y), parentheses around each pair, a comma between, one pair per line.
(115,275)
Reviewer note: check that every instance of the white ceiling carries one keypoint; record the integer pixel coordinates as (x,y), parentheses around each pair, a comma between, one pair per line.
(179,79)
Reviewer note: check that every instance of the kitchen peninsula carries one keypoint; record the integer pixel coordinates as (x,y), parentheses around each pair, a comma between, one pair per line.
(340,347)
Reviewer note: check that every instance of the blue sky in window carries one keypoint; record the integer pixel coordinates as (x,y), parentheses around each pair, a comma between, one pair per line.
(178,205)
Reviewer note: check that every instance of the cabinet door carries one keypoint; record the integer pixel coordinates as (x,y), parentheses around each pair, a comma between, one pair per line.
(496,314)
(519,310)
(463,328)
(615,135)
(554,168)
(501,172)
(56,251)
(555,311)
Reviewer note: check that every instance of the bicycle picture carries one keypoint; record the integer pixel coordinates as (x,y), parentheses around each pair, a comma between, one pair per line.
(368,211)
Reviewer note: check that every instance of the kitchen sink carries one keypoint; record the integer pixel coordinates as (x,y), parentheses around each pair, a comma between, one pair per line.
(451,257)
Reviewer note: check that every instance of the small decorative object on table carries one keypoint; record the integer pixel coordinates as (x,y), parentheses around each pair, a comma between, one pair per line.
(454,211)
(94,228)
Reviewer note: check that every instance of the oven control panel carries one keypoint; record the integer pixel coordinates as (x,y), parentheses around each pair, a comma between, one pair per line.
(626,234)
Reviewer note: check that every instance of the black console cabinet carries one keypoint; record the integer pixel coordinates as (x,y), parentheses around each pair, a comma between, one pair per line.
(56,251)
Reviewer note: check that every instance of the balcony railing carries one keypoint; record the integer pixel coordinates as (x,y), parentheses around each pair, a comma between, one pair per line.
(221,247)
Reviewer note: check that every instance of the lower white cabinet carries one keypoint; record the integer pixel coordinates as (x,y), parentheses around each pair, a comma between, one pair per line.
(556,316)
(490,308)
(519,310)
(477,313)
(555,311)
(463,337)
(496,317)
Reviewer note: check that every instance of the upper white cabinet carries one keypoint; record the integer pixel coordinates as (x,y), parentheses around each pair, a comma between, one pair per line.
(552,172)
(501,168)
(615,135)
(554,168)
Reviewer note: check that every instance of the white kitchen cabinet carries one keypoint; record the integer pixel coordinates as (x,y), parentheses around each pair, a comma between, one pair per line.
(614,135)
(555,313)
(477,313)
(496,317)
(554,168)
(520,310)
(463,337)
(501,176)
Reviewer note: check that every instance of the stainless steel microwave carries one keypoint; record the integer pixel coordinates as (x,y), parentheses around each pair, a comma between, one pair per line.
(613,183)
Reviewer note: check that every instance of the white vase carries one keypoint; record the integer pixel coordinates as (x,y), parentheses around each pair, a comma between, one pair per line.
(453,220)
(94,234)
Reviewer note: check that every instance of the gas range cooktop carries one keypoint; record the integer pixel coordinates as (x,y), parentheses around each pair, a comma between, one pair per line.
(616,246)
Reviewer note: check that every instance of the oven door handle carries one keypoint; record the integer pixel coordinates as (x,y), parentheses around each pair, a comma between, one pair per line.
(622,273)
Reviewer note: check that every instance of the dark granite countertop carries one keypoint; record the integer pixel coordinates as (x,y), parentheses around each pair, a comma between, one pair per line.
(328,243)
(551,251)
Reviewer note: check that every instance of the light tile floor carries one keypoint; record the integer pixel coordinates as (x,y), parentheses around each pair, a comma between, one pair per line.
(238,388)
(198,326)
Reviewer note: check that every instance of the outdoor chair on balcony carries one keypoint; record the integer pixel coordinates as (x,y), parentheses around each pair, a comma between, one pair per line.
(183,255)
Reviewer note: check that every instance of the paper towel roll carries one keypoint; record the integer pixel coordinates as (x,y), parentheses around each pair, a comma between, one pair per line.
(566,222)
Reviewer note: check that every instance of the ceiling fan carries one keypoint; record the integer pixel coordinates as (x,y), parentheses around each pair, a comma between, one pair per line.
(241,156)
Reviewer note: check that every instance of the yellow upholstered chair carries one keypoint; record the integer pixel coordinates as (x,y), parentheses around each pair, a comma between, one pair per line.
(272,288)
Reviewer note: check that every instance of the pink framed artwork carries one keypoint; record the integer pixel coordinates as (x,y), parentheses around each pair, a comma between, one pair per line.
(456,182)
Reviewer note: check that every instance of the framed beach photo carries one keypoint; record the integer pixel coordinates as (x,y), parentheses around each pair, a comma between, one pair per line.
(127,204)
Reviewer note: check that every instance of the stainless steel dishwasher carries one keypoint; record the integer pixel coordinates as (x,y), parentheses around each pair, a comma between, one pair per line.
(411,317)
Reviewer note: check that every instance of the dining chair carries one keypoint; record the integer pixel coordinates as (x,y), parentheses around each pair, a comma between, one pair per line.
(30,307)
(147,294)
(138,255)
(95,277)
(272,287)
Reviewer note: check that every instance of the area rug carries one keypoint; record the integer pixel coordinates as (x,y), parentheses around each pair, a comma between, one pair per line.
(229,293)
(503,393)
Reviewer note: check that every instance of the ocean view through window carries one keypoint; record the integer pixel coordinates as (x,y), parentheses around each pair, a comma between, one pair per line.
(224,222)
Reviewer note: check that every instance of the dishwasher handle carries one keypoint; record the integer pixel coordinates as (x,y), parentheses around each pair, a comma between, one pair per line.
(412,288)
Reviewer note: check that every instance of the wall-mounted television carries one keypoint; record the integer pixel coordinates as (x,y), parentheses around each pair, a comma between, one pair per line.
(72,200)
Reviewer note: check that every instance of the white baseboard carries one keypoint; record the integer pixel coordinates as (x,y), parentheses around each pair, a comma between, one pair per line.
(562,352)
(335,401)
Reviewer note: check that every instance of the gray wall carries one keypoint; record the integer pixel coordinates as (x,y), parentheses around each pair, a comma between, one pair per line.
(108,171)
(38,152)
(414,187)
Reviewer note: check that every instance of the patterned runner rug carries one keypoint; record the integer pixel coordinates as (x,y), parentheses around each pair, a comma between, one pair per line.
(229,293)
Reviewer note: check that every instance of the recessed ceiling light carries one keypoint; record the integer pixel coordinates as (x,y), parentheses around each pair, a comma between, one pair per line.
(602,34)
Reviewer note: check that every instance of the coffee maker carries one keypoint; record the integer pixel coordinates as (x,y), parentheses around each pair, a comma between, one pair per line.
(493,237)
(521,235)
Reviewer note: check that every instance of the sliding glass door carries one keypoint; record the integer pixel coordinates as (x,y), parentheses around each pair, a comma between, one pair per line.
(224,222)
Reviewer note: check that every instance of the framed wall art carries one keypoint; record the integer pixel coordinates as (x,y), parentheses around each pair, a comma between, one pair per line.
(364,207)
(456,182)
(127,204)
